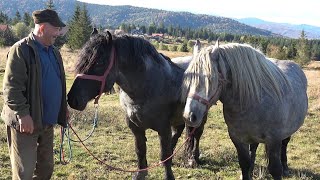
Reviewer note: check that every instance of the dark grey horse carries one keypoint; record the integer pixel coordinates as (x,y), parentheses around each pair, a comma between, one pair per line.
(150,91)
(264,100)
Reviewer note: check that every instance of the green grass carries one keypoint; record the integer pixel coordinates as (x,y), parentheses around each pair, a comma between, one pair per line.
(113,143)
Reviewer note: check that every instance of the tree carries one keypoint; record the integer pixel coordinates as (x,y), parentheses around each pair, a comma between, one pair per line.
(183,47)
(316,51)
(21,30)
(17,18)
(4,19)
(79,28)
(151,29)
(7,37)
(303,52)
(50,4)
(27,19)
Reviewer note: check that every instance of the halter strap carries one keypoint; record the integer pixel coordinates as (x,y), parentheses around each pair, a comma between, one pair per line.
(213,99)
(102,78)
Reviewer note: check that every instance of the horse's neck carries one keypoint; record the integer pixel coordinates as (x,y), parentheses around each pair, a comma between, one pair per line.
(226,96)
(149,79)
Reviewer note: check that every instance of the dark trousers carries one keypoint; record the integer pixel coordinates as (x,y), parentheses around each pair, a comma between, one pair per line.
(31,155)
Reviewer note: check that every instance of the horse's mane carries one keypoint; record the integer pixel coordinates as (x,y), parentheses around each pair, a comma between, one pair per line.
(251,73)
(89,52)
(138,49)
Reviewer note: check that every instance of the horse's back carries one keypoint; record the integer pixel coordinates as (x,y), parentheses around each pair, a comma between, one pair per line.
(293,72)
(182,62)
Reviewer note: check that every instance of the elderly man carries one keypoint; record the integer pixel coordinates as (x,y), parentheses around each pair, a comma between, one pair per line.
(34,92)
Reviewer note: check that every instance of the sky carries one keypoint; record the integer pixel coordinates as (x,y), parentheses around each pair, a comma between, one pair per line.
(281,11)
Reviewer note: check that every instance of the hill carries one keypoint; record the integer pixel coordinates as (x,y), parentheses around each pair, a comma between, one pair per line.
(284,29)
(104,15)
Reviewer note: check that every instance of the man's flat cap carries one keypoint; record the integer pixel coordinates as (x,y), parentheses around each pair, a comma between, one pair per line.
(49,16)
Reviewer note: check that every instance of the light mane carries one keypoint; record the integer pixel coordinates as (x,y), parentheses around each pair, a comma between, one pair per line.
(251,72)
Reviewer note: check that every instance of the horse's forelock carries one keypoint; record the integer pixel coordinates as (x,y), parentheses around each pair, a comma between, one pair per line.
(89,51)
(200,73)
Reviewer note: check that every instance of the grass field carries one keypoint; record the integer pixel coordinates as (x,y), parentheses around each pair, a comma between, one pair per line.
(113,142)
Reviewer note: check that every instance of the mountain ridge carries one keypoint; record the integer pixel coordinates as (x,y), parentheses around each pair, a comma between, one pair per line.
(106,15)
(284,29)
(114,16)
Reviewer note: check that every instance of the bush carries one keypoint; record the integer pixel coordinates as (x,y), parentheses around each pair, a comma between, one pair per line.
(183,47)
(155,44)
(173,48)
(21,30)
(163,46)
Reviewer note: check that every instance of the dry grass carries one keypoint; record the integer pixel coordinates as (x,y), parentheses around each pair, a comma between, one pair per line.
(3,57)
(173,54)
(313,77)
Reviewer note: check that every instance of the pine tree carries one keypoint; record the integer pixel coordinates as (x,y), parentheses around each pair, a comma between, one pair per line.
(50,5)
(27,19)
(79,28)
(17,18)
(303,50)
(4,19)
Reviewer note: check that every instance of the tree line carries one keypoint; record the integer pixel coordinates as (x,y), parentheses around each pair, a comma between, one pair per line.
(301,50)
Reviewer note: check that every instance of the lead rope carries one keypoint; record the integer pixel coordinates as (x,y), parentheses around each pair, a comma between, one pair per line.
(132,171)
(61,152)
(66,132)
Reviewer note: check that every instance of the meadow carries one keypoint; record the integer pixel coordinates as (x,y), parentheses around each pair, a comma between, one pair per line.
(113,143)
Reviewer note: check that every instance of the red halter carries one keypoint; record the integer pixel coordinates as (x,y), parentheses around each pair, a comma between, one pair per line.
(102,78)
(208,103)
(213,99)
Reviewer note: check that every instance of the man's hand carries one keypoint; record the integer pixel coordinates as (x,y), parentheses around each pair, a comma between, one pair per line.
(26,124)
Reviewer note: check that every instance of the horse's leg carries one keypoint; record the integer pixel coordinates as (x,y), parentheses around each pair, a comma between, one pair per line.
(243,157)
(176,133)
(192,147)
(165,144)
(273,153)
(140,147)
(189,147)
(253,148)
(284,159)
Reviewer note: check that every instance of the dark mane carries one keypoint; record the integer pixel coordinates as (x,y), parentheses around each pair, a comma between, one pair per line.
(136,48)
(89,52)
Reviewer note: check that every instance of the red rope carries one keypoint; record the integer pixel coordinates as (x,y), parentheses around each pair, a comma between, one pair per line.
(138,170)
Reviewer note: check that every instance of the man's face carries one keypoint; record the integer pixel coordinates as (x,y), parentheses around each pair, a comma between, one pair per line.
(50,33)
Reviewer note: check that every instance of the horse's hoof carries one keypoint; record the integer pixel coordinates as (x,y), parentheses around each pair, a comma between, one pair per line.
(192,163)
(140,175)
(285,173)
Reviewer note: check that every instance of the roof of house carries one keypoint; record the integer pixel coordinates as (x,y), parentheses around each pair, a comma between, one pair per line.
(4,27)
(157,34)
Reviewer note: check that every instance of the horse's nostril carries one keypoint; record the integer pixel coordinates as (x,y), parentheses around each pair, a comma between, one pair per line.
(193,117)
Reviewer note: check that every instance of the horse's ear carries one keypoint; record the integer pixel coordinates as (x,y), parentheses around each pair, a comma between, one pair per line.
(198,43)
(94,31)
(109,38)
(217,43)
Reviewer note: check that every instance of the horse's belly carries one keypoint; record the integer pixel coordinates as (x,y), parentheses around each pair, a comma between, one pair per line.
(260,124)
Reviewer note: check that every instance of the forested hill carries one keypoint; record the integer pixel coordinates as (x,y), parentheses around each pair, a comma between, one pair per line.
(104,15)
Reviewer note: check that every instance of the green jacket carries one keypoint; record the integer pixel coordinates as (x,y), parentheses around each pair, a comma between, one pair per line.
(22,85)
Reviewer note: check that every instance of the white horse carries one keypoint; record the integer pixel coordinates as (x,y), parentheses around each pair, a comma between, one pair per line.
(264,101)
